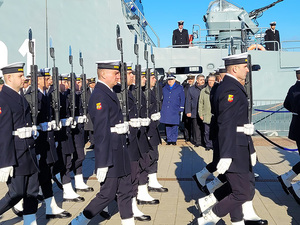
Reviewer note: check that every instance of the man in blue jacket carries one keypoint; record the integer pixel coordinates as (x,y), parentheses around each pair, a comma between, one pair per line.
(172,106)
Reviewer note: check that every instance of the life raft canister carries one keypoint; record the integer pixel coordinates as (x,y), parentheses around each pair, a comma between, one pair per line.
(257,46)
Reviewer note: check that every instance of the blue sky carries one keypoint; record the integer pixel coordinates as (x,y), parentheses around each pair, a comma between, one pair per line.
(164,14)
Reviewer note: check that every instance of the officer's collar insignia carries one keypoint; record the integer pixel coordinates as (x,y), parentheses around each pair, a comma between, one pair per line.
(0,110)
(98,106)
(230,98)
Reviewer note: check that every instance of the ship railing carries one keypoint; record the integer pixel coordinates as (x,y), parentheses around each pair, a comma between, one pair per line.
(293,45)
(135,16)
(270,117)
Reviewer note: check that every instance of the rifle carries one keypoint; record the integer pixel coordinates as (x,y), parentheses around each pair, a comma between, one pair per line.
(157,91)
(55,94)
(34,84)
(137,92)
(123,70)
(147,88)
(73,91)
(84,88)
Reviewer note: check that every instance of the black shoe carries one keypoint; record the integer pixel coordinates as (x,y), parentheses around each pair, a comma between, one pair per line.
(78,199)
(59,185)
(17,212)
(285,188)
(173,143)
(207,149)
(256,222)
(169,143)
(153,202)
(161,189)
(105,215)
(142,218)
(40,198)
(205,190)
(62,215)
(292,191)
(89,189)
(197,182)
(91,147)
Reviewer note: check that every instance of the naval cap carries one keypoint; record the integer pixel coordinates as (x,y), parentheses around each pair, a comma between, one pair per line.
(171,76)
(236,59)
(109,64)
(181,22)
(273,23)
(129,65)
(190,76)
(65,76)
(13,68)
(297,70)
(222,69)
(143,71)
(44,72)
(92,80)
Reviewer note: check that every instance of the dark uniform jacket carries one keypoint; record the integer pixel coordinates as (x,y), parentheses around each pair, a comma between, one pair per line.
(271,36)
(291,103)
(173,104)
(192,99)
(231,107)
(78,131)
(89,124)
(14,114)
(180,38)
(153,132)
(45,143)
(213,131)
(110,148)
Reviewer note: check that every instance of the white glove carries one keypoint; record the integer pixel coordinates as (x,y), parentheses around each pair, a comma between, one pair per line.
(5,173)
(155,116)
(248,129)
(224,165)
(69,121)
(135,122)
(34,132)
(101,174)
(84,119)
(73,124)
(57,128)
(253,159)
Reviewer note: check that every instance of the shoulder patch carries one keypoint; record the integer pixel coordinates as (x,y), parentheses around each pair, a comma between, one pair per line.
(98,106)
(230,98)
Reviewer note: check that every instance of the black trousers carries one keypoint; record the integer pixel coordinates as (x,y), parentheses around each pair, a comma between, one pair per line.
(153,153)
(135,175)
(26,187)
(242,190)
(45,177)
(144,163)
(198,128)
(111,187)
(208,142)
(296,168)
(66,159)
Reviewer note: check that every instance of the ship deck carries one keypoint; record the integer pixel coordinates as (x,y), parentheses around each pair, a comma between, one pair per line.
(177,164)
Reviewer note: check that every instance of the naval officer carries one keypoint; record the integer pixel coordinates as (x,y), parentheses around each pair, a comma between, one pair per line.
(18,162)
(180,36)
(112,165)
(236,155)
(291,103)
(272,37)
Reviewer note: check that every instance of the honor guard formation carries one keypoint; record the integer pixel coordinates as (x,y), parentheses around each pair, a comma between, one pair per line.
(47,118)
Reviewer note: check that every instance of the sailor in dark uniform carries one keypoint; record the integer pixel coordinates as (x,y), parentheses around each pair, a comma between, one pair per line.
(272,37)
(18,162)
(112,164)
(154,138)
(180,36)
(143,196)
(292,103)
(64,138)
(88,126)
(27,87)
(236,155)
(78,137)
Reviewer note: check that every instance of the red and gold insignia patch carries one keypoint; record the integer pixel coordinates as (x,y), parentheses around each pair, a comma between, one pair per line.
(0,110)
(230,98)
(98,106)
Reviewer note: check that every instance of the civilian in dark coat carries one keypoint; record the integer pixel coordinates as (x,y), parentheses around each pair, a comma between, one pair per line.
(272,37)
(191,110)
(292,103)
(112,164)
(18,162)
(172,107)
(180,36)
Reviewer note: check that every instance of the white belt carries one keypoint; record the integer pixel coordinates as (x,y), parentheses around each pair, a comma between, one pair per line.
(135,122)
(155,116)
(26,132)
(145,122)
(240,129)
